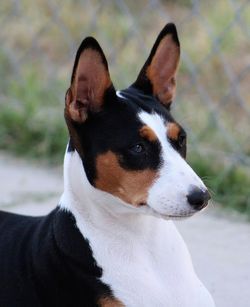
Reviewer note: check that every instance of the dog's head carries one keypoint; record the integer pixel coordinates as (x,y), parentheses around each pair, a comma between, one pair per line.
(129,143)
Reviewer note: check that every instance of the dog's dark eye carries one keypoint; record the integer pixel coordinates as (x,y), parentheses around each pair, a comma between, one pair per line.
(137,149)
(182,140)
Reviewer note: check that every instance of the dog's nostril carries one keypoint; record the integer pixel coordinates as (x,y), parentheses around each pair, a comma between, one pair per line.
(198,199)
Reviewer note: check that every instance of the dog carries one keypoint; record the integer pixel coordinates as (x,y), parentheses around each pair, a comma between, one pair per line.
(111,242)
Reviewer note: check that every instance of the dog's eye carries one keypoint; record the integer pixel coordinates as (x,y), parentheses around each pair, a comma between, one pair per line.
(182,140)
(138,149)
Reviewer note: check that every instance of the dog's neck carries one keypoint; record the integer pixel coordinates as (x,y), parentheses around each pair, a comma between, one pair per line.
(124,242)
(100,210)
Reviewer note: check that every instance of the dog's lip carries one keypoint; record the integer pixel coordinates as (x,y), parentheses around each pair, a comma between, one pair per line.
(181,216)
(166,216)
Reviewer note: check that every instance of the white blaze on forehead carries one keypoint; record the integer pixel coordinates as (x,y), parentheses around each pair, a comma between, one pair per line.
(156,123)
(119,94)
(159,126)
(168,195)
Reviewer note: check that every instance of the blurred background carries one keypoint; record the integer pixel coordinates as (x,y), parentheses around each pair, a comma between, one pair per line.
(38,43)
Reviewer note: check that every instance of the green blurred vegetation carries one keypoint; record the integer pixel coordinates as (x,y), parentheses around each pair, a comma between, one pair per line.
(31,121)
(32,88)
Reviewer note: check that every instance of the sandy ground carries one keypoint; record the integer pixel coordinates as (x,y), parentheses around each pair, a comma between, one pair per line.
(219,244)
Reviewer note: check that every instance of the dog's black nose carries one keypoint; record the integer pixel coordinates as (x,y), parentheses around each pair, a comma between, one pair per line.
(198,198)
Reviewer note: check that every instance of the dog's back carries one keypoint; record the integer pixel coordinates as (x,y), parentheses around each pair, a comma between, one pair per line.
(45,261)
(16,233)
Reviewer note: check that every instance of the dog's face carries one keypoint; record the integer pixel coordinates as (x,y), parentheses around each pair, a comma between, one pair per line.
(129,143)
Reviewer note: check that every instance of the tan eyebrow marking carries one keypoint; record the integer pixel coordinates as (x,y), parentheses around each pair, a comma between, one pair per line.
(147,133)
(173,131)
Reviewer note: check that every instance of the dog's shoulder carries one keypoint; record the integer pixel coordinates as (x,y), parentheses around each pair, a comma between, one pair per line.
(43,253)
(9,218)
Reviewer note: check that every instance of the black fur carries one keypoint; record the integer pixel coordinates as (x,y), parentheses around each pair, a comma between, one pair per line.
(45,261)
(71,147)
(116,128)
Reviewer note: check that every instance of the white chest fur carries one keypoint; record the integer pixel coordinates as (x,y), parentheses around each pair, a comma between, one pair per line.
(147,270)
(144,259)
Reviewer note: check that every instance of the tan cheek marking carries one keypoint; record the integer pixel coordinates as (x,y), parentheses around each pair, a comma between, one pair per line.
(162,71)
(110,302)
(147,133)
(131,186)
(173,131)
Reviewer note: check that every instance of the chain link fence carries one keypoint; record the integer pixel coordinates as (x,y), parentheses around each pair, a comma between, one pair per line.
(39,40)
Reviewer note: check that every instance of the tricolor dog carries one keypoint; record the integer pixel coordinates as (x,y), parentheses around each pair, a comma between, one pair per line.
(111,241)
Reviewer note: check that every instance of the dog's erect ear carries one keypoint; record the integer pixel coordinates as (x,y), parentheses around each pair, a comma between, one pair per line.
(158,75)
(90,81)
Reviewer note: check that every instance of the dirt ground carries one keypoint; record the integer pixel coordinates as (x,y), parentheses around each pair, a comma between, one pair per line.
(219,243)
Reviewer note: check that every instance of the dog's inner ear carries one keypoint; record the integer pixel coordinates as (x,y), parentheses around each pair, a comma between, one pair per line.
(89,83)
(158,75)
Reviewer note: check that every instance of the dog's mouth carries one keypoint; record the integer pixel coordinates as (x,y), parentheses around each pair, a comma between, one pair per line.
(177,217)
(146,207)
(142,204)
